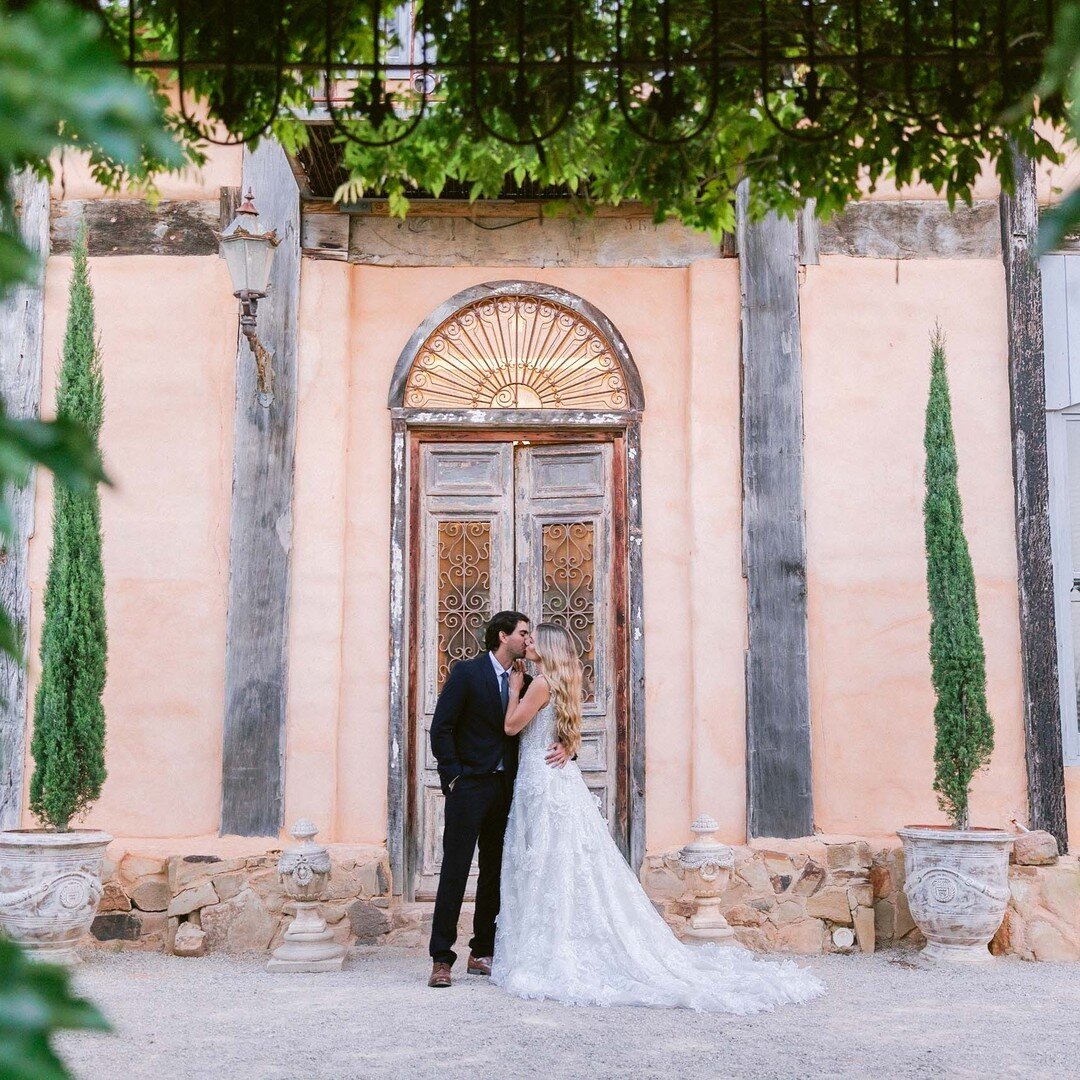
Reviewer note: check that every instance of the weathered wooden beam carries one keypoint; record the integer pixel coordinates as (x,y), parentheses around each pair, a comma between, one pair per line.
(527,240)
(1042,720)
(135,227)
(260,545)
(913,229)
(22,318)
(778,751)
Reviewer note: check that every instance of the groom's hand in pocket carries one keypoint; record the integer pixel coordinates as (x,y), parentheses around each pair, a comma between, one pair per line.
(557,756)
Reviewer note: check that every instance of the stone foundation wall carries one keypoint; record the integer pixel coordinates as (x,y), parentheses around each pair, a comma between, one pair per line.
(237,902)
(783,896)
(788,896)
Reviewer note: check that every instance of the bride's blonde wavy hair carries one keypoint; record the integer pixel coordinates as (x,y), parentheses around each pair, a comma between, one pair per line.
(555,647)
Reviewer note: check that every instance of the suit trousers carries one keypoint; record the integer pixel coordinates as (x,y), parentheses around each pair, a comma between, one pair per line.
(475,813)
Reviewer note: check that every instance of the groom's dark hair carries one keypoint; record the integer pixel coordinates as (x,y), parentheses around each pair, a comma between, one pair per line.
(502,622)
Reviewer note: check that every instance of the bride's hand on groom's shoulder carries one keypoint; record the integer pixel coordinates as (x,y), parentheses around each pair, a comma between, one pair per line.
(517,679)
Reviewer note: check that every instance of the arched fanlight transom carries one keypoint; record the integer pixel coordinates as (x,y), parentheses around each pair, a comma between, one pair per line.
(517,351)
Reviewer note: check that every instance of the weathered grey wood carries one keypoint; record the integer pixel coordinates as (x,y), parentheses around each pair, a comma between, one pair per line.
(778,752)
(135,227)
(398,771)
(229,199)
(1042,723)
(809,230)
(22,318)
(325,236)
(636,679)
(261,533)
(420,240)
(913,229)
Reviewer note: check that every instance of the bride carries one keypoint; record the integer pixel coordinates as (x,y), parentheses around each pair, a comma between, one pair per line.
(575,925)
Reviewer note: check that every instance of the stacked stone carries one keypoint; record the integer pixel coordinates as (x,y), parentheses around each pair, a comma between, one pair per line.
(787,897)
(192,904)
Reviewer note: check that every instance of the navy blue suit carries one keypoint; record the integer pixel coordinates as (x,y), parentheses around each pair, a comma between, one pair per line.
(468,740)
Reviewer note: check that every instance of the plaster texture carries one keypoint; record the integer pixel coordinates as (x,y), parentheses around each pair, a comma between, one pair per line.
(168,329)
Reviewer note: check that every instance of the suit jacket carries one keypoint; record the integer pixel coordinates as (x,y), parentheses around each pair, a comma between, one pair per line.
(467,731)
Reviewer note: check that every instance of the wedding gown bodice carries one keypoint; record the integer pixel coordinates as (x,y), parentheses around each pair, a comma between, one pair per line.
(575,924)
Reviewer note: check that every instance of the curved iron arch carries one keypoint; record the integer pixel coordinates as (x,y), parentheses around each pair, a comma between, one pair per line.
(581,307)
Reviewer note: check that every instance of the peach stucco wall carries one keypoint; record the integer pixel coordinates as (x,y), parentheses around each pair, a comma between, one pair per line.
(168,329)
(168,334)
(866,326)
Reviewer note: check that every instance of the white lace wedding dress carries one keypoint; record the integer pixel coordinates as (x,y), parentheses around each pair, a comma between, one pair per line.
(576,926)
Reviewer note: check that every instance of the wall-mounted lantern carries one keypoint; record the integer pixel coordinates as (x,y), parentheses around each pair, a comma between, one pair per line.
(248,252)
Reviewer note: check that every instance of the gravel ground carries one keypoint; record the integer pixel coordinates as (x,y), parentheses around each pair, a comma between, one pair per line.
(886,1016)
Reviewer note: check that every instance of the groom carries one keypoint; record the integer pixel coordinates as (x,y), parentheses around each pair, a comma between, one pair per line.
(477,765)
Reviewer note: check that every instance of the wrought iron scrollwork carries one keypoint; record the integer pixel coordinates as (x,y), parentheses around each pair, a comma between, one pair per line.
(524,70)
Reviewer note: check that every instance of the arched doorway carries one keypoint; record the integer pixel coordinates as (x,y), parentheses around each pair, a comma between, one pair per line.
(516,418)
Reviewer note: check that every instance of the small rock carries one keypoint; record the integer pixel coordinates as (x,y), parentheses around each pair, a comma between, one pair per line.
(884,920)
(151,895)
(805,937)
(780,882)
(153,922)
(832,904)
(1047,942)
(367,921)
(753,872)
(881,881)
(241,924)
(864,929)
(743,915)
(813,874)
(1035,848)
(787,912)
(189,940)
(190,899)
(838,856)
(113,898)
(228,885)
(117,926)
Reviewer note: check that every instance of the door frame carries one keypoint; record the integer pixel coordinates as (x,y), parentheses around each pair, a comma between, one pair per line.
(410,426)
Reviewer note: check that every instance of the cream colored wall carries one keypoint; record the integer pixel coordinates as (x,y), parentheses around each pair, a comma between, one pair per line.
(866,325)
(168,337)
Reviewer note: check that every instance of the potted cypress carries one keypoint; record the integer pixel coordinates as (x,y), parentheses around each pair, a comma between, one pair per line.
(50,878)
(957,875)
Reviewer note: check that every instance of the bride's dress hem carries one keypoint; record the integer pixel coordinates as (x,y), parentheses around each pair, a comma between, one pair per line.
(576,926)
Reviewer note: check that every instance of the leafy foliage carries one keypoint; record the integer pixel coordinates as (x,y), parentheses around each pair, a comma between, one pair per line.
(61,85)
(965,732)
(36,1000)
(69,720)
(582,128)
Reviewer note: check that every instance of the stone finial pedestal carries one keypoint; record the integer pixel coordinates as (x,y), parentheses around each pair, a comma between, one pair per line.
(309,944)
(705,865)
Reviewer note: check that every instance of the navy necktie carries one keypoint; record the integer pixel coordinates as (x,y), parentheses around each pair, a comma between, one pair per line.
(505,677)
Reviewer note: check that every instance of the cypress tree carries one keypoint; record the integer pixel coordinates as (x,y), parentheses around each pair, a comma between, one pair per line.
(965,732)
(69,721)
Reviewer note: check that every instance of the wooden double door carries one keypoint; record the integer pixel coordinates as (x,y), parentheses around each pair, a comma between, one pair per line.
(509,524)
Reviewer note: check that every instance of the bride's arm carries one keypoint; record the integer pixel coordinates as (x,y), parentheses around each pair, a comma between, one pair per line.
(520,711)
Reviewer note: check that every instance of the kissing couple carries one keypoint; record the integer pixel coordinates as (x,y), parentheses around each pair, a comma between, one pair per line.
(574,923)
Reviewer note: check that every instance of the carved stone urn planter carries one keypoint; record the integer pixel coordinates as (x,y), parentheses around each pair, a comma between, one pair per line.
(50,887)
(705,865)
(309,943)
(957,886)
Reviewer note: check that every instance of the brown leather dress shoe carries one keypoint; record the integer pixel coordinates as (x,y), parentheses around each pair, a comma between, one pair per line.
(479,965)
(440,975)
